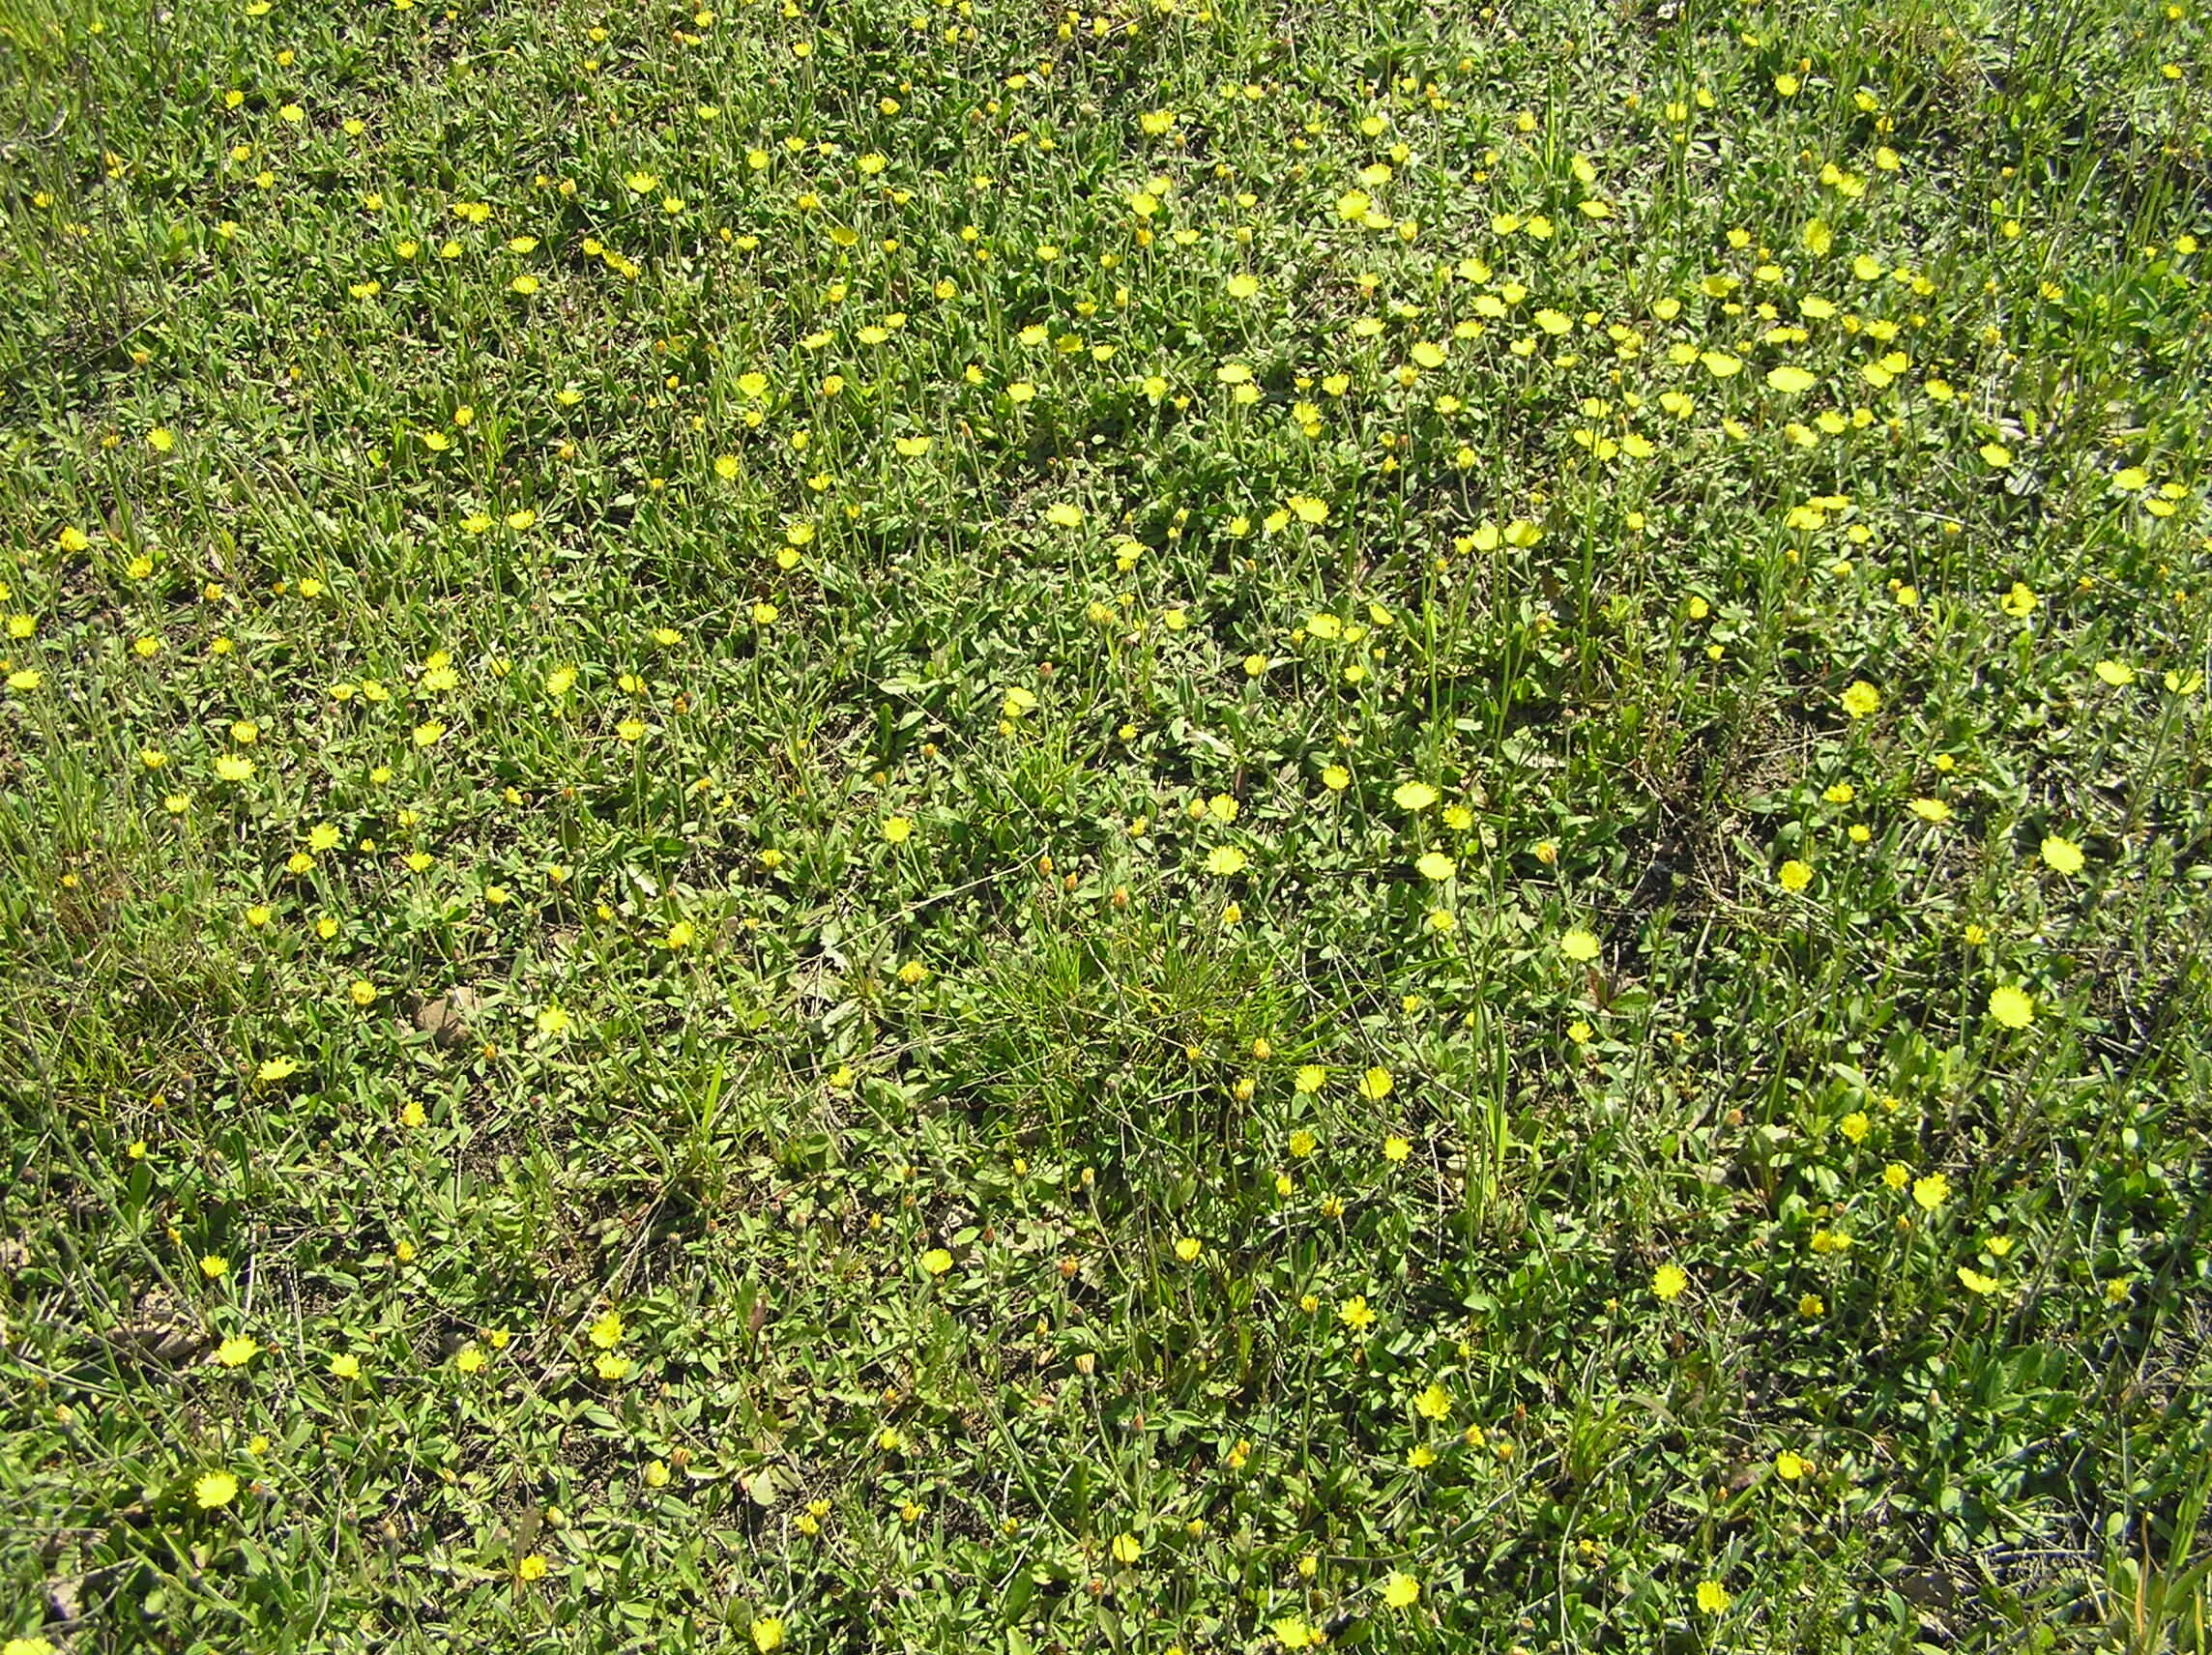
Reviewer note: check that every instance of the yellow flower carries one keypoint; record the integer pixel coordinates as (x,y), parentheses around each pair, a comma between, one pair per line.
(1396,1148)
(1400,1590)
(2061,856)
(1128,1549)
(1433,1403)
(1376,1085)
(1187,1249)
(346,1366)
(1310,1078)
(1294,1634)
(606,1332)
(1790,1466)
(936,1260)
(1579,945)
(897,829)
(215,1266)
(768,1635)
(1355,1313)
(1931,1192)
(1065,517)
(2119,675)
(612,1367)
(1931,810)
(1795,875)
(2010,1007)
(215,1489)
(1225,859)
(236,1352)
(1861,699)
(1974,1282)
(274,1069)
(1436,865)
(532,1567)
(1668,1282)
(426,735)
(1303,1143)
(1790,381)
(1713,1597)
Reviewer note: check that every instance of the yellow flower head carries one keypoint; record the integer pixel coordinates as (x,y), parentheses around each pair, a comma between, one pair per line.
(2062,856)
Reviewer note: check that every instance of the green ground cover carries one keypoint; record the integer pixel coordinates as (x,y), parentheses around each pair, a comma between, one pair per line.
(962,827)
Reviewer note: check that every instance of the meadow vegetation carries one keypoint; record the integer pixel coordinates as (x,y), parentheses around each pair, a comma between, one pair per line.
(928,825)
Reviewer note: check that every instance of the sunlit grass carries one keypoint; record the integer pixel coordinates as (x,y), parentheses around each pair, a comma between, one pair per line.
(970,829)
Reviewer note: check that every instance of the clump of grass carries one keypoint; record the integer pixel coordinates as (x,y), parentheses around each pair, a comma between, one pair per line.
(1159,830)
